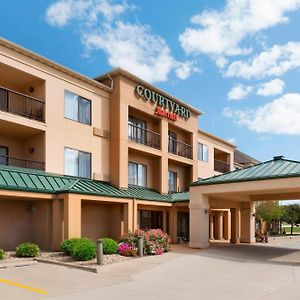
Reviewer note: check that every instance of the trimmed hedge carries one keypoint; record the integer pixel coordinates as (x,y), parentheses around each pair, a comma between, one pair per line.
(83,250)
(2,254)
(109,246)
(67,245)
(27,250)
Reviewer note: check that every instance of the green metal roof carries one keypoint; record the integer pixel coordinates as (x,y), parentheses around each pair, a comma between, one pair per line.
(272,169)
(28,180)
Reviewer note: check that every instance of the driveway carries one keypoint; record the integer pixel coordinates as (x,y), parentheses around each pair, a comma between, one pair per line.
(223,272)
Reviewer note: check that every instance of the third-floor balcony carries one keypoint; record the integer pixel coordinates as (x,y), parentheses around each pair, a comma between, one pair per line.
(22,105)
(143,136)
(221,166)
(180,148)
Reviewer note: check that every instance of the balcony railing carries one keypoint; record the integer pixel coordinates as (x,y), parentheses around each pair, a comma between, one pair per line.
(143,136)
(221,166)
(180,148)
(23,105)
(22,163)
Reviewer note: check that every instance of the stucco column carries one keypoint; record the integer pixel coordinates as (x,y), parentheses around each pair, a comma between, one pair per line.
(164,220)
(220,225)
(199,220)
(211,227)
(163,163)
(235,225)
(227,225)
(57,224)
(72,216)
(135,214)
(173,224)
(248,222)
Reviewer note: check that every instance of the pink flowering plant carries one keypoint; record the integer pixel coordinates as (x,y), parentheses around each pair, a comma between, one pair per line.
(156,242)
(126,249)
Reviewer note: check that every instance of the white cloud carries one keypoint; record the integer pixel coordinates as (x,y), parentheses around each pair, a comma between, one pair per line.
(220,33)
(131,46)
(280,116)
(231,140)
(271,62)
(239,92)
(271,88)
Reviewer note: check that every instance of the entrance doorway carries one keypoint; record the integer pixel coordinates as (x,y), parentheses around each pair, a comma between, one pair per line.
(183,226)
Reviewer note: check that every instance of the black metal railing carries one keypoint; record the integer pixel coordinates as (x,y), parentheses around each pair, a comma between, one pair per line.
(22,163)
(221,166)
(180,148)
(143,136)
(23,105)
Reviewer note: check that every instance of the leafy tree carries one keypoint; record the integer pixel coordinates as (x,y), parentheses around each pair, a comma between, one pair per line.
(292,215)
(269,211)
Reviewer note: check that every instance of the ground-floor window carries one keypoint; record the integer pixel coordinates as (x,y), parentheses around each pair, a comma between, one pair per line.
(149,219)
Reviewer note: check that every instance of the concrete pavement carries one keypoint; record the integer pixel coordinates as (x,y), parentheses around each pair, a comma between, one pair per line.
(229,272)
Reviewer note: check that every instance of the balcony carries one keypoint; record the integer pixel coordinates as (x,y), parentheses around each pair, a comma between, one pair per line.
(22,105)
(143,136)
(22,163)
(221,166)
(180,148)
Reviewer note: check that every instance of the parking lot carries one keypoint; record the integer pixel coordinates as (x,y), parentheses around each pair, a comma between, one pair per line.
(225,272)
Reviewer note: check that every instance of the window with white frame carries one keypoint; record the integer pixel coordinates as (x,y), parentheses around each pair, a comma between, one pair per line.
(77,108)
(137,174)
(202,152)
(77,163)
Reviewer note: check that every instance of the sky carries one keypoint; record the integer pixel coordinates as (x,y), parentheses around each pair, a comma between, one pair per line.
(238,61)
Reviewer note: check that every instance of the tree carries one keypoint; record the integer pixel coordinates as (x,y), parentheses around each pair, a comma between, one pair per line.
(292,215)
(270,212)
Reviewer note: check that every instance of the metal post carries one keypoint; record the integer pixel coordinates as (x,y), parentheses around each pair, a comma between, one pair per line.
(100,257)
(140,246)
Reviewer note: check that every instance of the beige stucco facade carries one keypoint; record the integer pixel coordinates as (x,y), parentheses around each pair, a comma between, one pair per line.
(169,142)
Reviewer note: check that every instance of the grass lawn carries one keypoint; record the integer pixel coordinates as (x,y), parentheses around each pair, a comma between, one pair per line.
(296,230)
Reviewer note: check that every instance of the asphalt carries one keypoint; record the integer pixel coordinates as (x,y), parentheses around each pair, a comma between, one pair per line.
(224,272)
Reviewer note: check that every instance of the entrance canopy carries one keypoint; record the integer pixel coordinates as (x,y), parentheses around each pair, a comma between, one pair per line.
(277,179)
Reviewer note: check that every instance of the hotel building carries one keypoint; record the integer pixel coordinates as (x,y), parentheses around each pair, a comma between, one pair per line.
(97,157)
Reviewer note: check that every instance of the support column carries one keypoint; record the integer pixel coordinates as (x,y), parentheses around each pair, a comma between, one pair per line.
(227,225)
(248,222)
(173,224)
(57,224)
(220,225)
(164,213)
(135,215)
(72,216)
(235,225)
(199,220)
(211,227)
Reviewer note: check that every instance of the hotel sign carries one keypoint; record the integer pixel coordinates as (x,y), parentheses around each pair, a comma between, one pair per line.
(164,106)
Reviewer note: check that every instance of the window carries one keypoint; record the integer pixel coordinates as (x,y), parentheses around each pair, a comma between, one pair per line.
(3,155)
(172,181)
(137,174)
(77,108)
(148,219)
(137,130)
(77,163)
(202,152)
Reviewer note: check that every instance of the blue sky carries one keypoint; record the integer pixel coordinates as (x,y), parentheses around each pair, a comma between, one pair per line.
(238,61)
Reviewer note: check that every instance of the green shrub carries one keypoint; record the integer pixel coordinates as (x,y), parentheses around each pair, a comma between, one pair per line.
(109,246)
(67,245)
(84,249)
(2,254)
(27,250)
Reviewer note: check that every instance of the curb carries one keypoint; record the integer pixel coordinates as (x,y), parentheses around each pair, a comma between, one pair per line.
(18,264)
(83,268)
